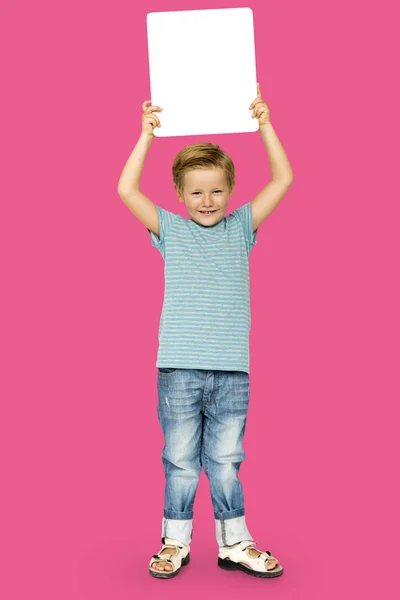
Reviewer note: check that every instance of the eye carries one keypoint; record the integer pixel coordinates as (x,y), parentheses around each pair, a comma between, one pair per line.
(216,192)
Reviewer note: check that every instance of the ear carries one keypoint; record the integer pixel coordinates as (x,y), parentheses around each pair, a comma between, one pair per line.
(177,193)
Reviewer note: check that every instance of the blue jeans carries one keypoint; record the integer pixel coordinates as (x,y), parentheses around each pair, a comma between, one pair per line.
(203,417)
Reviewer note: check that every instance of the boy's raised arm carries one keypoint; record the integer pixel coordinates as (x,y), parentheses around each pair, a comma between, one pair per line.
(129,182)
(282,175)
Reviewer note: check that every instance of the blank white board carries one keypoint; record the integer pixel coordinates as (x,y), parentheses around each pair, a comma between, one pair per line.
(202,70)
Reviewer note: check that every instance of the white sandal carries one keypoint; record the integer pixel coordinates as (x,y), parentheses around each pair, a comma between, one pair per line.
(238,558)
(180,558)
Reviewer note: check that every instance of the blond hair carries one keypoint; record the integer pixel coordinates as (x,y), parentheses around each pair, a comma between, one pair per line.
(203,155)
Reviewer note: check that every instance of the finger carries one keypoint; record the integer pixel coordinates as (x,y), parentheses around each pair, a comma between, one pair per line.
(153,108)
(255,102)
(155,121)
(259,111)
(258,90)
(144,107)
(263,111)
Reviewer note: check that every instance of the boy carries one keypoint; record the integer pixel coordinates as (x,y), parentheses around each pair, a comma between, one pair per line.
(203,354)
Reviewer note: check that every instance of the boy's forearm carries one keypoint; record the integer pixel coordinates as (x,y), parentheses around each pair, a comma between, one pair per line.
(278,161)
(132,171)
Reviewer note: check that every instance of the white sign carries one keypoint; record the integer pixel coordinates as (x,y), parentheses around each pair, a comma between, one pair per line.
(202,71)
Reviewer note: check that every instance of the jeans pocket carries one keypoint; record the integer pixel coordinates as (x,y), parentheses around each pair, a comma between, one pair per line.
(166,370)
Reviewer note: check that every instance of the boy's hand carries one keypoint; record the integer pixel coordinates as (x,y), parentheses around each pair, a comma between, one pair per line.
(149,120)
(260,109)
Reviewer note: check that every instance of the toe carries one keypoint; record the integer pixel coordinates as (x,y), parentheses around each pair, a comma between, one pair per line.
(161,566)
(271,563)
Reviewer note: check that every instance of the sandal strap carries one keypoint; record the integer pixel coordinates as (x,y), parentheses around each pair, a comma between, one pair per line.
(265,555)
(237,552)
(245,544)
(171,542)
(162,557)
(175,559)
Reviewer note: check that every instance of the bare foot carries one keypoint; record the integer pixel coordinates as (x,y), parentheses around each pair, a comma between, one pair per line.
(270,563)
(164,566)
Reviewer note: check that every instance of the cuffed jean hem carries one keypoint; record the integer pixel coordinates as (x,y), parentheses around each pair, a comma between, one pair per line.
(231,531)
(178,529)
(172,514)
(229,514)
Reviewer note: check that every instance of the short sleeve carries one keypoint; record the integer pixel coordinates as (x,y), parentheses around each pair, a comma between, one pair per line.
(166,221)
(245,217)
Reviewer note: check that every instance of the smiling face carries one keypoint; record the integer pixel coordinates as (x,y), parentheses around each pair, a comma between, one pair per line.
(205,190)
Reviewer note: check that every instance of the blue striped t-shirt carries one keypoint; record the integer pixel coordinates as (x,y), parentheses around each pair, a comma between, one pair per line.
(205,320)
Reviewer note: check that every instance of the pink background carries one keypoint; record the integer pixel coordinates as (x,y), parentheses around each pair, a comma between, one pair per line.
(82,292)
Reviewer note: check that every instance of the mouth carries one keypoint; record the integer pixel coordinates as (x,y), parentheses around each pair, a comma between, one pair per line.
(207,212)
